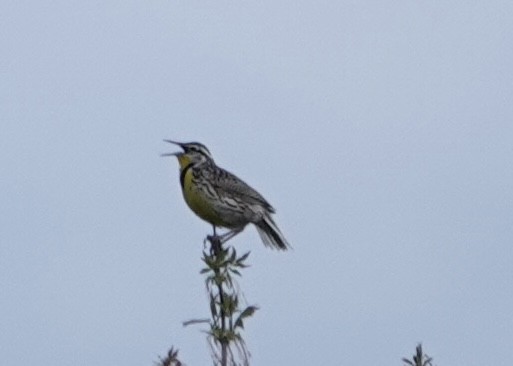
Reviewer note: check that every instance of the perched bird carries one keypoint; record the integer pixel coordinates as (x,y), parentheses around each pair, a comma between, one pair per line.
(220,198)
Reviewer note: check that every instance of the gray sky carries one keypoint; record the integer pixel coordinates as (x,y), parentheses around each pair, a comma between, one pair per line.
(382,131)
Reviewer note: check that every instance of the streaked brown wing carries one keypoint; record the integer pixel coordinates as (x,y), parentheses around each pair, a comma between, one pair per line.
(226,183)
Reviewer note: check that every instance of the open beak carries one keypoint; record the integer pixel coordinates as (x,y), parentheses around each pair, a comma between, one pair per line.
(178,153)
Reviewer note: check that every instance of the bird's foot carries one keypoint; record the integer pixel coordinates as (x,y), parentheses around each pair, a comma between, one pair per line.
(216,243)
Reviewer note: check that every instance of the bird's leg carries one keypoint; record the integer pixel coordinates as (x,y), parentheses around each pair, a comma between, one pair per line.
(211,237)
(229,235)
(215,241)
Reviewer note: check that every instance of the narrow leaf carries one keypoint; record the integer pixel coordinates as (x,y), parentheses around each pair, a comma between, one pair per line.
(249,311)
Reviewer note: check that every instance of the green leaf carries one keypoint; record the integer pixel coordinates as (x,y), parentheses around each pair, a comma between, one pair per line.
(213,308)
(243,257)
(233,256)
(239,323)
(249,311)
(234,271)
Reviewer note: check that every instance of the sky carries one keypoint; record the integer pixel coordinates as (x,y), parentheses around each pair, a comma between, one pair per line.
(382,132)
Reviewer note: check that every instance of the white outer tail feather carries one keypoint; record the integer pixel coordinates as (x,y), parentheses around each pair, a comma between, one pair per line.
(270,234)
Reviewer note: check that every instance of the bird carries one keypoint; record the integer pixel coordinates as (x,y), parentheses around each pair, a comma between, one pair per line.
(221,198)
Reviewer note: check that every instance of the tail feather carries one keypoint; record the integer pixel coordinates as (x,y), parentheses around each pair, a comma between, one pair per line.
(270,234)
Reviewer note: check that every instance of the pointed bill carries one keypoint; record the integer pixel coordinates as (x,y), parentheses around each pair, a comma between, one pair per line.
(174,153)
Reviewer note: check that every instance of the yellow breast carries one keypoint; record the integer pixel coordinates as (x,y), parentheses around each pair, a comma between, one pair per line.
(199,201)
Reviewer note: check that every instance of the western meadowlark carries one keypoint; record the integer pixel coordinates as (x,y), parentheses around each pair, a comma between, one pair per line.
(220,198)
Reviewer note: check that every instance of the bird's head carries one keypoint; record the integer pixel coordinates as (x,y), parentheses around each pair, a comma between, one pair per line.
(193,153)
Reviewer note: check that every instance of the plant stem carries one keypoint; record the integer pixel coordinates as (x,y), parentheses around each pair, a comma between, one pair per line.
(216,248)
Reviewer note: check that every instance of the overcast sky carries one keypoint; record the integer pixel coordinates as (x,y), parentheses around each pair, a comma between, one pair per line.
(382,132)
